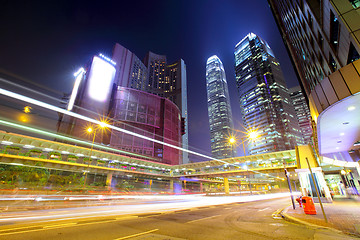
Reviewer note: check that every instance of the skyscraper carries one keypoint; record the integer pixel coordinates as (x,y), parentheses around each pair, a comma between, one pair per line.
(302,113)
(169,81)
(219,110)
(264,98)
(323,39)
(153,75)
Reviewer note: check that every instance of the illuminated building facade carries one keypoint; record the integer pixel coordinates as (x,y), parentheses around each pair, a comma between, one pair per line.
(98,94)
(91,96)
(323,39)
(219,109)
(131,72)
(148,115)
(155,76)
(302,113)
(264,98)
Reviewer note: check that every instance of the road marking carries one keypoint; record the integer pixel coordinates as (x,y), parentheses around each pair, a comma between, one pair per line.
(43,228)
(277,224)
(138,234)
(276,214)
(59,212)
(58,225)
(262,209)
(25,231)
(126,217)
(203,219)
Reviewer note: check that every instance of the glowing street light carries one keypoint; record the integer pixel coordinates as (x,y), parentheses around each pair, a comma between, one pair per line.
(90,130)
(232,140)
(252,135)
(27,109)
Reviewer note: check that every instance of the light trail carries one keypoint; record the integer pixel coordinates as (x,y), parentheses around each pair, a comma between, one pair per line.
(76,115)
(88,119)
(50,134)
(169,204)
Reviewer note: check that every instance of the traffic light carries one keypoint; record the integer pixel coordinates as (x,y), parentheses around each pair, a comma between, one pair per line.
(182,126)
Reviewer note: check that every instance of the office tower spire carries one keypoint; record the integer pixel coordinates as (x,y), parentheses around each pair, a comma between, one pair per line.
(220,116)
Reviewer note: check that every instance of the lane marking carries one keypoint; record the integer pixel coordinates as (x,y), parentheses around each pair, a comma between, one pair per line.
(43,228)
(202,219)
(58,225)
(275,215)
(263,209)
(58,212)
(35,230)
(138,234)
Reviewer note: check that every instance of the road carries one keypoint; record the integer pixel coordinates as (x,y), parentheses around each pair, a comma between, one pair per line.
(234,220)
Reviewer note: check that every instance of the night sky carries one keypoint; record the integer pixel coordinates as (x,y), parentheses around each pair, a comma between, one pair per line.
(47,41)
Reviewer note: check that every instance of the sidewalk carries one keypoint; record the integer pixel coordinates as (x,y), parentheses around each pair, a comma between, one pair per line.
(343,215)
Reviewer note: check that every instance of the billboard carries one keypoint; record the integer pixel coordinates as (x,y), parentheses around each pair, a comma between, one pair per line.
(100,79)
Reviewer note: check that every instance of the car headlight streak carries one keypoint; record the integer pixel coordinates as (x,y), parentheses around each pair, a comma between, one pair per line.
(76,115)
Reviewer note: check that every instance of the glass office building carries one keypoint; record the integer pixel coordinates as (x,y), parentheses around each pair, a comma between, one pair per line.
(302,113)
(220,116)
(264,98)
(323,40)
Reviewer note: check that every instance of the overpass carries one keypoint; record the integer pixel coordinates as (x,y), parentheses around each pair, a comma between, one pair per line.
(18,149)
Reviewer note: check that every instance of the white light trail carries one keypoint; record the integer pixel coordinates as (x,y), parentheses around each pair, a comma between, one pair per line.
(72,114)
(76,115)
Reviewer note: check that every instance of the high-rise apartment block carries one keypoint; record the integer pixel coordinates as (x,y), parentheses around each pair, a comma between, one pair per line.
(323,39)
(302,113)
(264,98)
(219,109)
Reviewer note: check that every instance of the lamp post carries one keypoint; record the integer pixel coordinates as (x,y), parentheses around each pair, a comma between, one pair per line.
(252,135)
(90,130)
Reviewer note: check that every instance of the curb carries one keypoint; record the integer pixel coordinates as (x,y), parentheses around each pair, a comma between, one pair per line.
(295,220)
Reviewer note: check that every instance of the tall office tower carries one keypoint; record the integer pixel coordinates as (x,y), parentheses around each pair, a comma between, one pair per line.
(176,91)
(153,75)
(130,70)
(264,98)
(323,39)
(219,110)
(156,65)
(169,81)
(302,113)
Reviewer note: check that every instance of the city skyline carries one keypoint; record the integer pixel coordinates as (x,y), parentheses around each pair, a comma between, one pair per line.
(88,30)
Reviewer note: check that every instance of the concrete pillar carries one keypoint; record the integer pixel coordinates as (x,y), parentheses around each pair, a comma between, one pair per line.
(226,186)
(171,185)
(109,180)
(201,187)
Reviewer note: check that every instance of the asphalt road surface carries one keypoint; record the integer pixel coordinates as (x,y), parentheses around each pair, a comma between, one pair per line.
(247,220)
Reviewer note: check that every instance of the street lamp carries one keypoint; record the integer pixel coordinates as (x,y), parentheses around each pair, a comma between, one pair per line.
(90,130)
(251,135)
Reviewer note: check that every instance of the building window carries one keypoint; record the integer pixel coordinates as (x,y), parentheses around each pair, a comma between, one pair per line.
(320,40)
(355,3)
(353,54)
(334,31)
(332,63)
